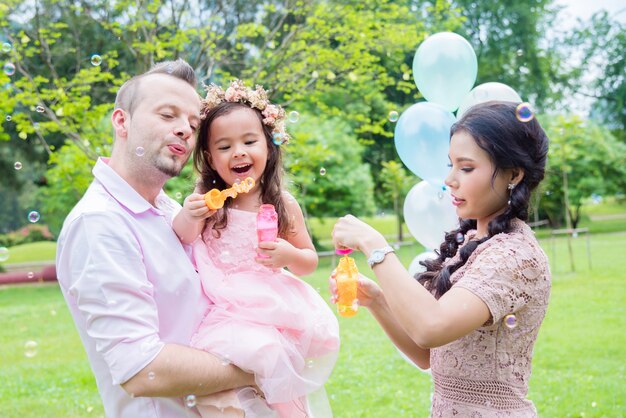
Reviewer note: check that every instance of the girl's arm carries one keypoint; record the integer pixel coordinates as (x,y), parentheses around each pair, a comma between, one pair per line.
(297,252)
(371,296)
(189,222)
(429,322)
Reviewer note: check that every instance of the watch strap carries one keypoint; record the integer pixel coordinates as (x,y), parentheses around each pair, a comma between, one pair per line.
(373,260)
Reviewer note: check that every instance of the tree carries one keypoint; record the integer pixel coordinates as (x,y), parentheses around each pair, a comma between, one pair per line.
(71,57)
(396,183)
(602,42)
(584,159)
(325,169)
(512,48)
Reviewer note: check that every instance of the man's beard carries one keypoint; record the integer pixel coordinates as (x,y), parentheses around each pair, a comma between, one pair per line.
(171,170)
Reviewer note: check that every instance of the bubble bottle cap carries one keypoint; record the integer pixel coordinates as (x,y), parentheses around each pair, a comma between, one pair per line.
(343,251)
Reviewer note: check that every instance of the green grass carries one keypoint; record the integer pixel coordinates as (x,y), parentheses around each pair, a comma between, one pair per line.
(578,367)
(608,206)
(322,228)
(36,251)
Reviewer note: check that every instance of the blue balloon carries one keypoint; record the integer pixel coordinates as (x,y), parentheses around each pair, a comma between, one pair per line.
(422,139)
(445,69)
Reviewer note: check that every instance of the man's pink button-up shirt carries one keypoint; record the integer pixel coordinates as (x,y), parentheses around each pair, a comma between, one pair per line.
(130,287)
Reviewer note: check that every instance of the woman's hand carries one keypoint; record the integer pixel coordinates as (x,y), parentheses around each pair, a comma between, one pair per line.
(368,294)
(351,232)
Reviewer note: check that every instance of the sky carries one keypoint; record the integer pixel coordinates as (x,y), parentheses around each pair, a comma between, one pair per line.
(585,8)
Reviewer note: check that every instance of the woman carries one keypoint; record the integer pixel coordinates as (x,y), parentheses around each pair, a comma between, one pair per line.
(473,316)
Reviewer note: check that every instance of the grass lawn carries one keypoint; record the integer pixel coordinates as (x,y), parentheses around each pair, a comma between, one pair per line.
(578,368)
(35,251)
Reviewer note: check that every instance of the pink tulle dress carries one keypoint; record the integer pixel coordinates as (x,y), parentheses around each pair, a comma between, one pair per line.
(267,322)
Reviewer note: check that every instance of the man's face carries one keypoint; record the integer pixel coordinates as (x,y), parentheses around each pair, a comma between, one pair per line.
(162,128)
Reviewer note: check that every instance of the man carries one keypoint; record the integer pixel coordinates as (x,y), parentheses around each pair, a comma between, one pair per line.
(128,282)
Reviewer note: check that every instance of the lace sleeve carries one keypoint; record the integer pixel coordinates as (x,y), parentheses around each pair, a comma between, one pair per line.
(506,275)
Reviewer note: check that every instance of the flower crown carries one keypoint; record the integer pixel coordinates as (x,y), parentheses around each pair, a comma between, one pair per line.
(237,92)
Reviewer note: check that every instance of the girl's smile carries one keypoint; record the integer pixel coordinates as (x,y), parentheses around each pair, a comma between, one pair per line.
(237,146)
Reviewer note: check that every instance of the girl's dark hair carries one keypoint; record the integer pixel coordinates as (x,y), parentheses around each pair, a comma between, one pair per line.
(270,182)
(510,143)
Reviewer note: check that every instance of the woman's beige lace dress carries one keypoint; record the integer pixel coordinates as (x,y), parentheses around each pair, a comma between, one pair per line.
(486,373)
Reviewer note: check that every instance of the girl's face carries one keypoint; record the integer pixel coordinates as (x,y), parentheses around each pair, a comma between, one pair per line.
(238,146)
(475,193)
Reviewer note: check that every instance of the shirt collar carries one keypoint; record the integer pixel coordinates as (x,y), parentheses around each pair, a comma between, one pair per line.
(119,189)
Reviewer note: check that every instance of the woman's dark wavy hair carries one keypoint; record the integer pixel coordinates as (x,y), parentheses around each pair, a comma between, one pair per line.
(510,143)
(270,182)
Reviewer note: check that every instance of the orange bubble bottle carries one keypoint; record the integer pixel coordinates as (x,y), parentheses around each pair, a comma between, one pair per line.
(347,281)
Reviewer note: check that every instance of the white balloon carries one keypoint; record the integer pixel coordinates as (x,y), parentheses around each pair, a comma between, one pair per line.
(486,92)
(416,267)
(429,214)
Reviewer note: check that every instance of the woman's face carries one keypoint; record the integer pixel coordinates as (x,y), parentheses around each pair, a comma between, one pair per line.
(475,193)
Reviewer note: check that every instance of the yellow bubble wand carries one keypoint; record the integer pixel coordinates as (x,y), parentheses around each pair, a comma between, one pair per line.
(215,198)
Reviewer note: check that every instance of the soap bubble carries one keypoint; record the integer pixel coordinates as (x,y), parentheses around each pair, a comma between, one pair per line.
(277,138)
(393,116)
(294,116)
(96,60)
(510,321)
(190,401)
(30,349)
(524,112)
(9,68)
(33,216)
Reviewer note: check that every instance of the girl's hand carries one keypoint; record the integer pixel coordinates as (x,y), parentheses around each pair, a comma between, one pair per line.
(195,209)
(351,232)
(279,253)
(368,293)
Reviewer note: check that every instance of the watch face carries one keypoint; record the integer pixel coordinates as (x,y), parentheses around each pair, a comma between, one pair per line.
(378,256)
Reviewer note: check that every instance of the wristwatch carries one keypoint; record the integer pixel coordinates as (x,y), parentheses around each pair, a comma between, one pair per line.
(378,255)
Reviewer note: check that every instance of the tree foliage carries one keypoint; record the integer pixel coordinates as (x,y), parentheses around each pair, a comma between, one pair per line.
(511,47)
(586,156)
(601,42)
(325,168)
(345,64)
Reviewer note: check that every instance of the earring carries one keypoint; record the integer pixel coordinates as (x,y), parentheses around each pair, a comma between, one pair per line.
(511,186)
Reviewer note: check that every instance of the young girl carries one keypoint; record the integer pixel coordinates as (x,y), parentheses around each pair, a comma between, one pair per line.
(474,316)
(263,318)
